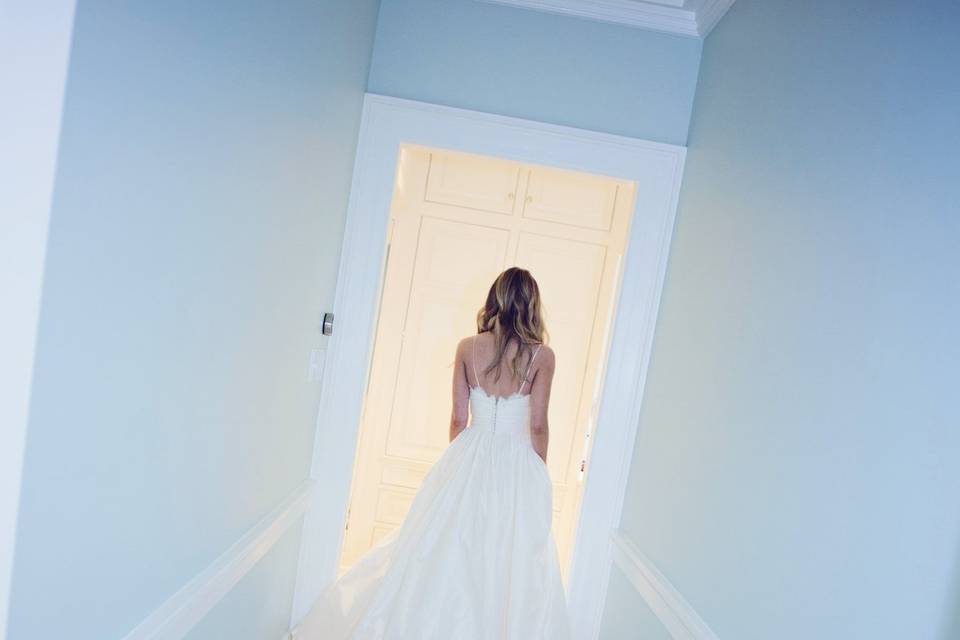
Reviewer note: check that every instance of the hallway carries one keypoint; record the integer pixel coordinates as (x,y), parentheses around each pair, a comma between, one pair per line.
(181,182)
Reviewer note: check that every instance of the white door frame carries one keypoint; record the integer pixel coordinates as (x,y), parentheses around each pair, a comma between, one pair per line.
(389,122)
(35,38)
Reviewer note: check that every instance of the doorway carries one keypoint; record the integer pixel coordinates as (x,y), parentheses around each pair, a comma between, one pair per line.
(390,124)
(456,221)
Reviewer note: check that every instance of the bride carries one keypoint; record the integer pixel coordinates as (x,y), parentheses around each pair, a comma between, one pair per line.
(475,557)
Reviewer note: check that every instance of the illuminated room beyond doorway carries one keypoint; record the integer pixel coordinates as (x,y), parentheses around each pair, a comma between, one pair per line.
(456,221)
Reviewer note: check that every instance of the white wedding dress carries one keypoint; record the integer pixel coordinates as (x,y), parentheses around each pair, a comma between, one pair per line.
(474,558)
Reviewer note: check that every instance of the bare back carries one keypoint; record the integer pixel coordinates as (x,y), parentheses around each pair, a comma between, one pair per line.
(475,353)
(482,352)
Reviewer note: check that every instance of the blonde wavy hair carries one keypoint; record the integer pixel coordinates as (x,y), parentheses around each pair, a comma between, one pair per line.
(513,312)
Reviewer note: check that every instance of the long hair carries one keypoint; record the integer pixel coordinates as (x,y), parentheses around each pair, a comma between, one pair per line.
(513,312)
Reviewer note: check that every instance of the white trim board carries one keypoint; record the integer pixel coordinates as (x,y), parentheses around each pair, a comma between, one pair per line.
(387,124)
(35,38)
(673,611)
(691,18)
(188,606)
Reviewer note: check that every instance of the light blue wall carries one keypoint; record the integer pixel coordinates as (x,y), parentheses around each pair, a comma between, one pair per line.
(258,607)
(196,225)
(797,474)
(541,66)
(626,616)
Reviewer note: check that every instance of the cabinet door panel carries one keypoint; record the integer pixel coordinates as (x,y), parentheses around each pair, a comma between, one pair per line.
(566,197)
(473,182)
(451,275)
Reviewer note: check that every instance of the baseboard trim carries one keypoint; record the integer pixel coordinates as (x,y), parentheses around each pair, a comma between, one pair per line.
(674,612)
(188,606)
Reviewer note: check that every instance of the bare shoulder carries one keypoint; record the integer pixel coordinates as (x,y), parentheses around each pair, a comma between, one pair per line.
(464,344)
(546,358)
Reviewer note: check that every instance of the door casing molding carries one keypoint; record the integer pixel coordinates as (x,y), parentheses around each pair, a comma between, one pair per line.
(387,123)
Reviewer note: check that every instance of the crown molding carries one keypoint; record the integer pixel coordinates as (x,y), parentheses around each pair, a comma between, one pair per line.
(691,18)
(710,14)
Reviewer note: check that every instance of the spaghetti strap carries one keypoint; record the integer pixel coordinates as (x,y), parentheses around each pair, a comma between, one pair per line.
(529,366)
(475,375)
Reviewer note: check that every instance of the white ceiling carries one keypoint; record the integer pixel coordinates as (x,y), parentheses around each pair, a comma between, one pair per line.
(694,18)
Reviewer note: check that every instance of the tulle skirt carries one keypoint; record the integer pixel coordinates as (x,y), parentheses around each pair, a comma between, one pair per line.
(474,559)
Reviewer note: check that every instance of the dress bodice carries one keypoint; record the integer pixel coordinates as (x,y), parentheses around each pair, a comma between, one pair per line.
(507,416)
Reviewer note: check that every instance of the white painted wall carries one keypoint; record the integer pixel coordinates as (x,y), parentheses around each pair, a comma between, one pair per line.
(626,614)
(535,65)
(797,470)
(34,47)
(201,186)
